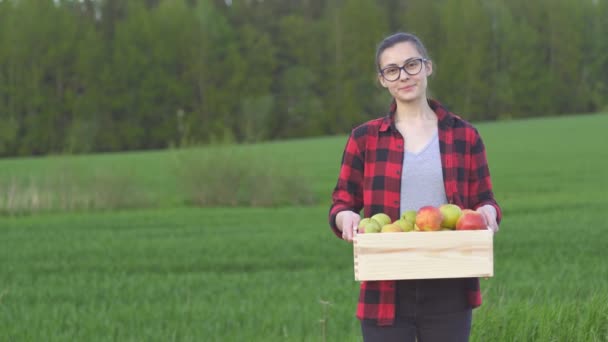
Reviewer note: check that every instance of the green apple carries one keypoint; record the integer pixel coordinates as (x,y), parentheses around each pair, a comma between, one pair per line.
(451,214)
(405,225)
(372,226)
(409,215)
(362,223)
(382,218)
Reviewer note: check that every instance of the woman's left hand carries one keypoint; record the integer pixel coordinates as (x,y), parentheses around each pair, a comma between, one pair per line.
(489,213)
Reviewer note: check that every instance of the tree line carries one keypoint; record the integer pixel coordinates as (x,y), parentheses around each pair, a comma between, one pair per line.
(82,76)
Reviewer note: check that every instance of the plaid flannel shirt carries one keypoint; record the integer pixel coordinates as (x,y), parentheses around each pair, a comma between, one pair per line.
(370,179)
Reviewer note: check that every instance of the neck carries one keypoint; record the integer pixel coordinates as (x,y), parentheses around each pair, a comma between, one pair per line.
(418,110)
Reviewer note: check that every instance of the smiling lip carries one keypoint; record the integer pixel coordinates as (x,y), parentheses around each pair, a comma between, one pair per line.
(408,88)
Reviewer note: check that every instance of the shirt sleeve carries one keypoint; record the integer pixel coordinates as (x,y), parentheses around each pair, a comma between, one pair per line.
(348,193)
(480,183)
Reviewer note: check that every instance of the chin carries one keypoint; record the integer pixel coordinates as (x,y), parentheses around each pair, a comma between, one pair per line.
(411,98)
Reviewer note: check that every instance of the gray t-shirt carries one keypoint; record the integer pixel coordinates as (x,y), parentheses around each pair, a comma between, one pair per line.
(422,178)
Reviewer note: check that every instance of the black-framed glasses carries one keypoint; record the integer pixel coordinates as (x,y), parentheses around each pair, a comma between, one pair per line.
(411,67)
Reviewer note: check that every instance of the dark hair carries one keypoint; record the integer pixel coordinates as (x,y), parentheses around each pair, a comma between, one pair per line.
(396,38)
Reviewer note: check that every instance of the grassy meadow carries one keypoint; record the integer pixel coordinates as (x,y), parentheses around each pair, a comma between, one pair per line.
(160,269)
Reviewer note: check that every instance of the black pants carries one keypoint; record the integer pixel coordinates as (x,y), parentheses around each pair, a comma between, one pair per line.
(427,311)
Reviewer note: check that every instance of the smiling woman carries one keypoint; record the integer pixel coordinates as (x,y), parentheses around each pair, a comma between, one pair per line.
(419,154)
(411,84)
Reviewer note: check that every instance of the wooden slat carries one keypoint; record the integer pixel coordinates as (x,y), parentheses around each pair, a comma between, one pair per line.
(423,255)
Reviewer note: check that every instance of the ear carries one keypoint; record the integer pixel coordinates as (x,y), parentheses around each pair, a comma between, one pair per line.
(429,68)
(382,81)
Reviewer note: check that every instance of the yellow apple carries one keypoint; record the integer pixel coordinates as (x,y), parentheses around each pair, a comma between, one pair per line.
(391,228)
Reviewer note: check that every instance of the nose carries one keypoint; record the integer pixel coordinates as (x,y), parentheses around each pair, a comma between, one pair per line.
(403,75)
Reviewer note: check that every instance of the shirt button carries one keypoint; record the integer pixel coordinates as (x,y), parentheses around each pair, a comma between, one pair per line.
(398,172)
(396,202)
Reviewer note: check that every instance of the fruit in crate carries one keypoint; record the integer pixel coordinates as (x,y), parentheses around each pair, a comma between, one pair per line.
(410,216)
(362,223)
(382,218)
(451,214)
(405,225)
(429,218)
(471,220)
(372,226)
(391,228)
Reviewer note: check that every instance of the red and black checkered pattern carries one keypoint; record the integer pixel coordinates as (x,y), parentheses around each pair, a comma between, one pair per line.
(370,179)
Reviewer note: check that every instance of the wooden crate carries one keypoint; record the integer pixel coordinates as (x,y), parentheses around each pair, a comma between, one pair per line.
(423,255)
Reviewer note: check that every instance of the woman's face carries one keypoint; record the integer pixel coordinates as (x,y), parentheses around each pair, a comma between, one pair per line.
(404,87)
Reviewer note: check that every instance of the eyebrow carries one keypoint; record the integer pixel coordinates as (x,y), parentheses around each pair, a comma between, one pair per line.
(404,62)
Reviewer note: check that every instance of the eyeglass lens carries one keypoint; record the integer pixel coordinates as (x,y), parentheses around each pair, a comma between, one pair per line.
(412,67)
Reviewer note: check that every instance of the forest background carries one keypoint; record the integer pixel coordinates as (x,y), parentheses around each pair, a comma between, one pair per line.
(111,75)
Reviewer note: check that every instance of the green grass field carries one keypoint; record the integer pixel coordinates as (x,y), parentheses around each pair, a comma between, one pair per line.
(176,273)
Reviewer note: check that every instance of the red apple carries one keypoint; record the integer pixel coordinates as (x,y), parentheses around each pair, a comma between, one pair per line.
(471,220)
(429,218)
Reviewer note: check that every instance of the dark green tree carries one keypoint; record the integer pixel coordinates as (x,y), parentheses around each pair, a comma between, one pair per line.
(353,29)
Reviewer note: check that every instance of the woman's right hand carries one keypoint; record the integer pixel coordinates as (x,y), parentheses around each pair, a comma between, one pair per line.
(347,222)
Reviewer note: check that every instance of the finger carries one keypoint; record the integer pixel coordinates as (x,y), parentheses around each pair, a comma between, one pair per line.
(493,226)
(350,227)
(490,221)
(346,235)
(356,221)
(347,229)
(487,217)
(490,217)
(353,229)
(344,228)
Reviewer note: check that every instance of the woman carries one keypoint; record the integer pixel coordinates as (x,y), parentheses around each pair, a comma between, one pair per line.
(418,154)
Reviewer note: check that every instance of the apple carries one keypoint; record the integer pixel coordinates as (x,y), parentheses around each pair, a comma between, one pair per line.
(405,225)
(362,223)
(391,228)
(471,220)
(382,219)
(409,215)
(451,214)
(429,218)
(372,226)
